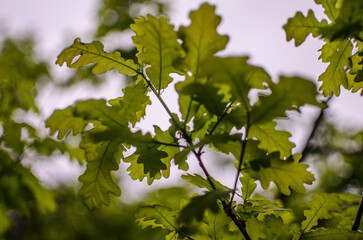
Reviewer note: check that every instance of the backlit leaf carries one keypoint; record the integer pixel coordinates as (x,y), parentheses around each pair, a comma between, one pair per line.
(321,207)
(330,8)
(81,54)
(335,75)
(102,158)
(157,43)
(284,173)
(248,186)
(299,27)
(157,216)
(201,182)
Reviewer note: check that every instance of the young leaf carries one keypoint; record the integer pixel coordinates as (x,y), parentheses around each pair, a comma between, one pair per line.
(299,27)
(88,53)
(198,205)
(321,207)
(150,157)
(331,234)
(335,75)
(284,173)
(102,158)
(158,47)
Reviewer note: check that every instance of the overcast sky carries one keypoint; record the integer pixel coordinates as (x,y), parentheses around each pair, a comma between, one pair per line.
(254,28)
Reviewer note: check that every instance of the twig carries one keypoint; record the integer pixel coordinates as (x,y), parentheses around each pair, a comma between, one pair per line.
(358,217)
(317,123)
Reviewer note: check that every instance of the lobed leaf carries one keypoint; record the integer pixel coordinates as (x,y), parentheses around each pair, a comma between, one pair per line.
(299,27)
(158,47)
(248,186)
(102,158)
(157,216)
(81,54)
(200,41)
(321,207)
(330,8)
(284,173)
(335,74)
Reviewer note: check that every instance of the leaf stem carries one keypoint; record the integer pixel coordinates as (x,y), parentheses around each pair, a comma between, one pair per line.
(358,217)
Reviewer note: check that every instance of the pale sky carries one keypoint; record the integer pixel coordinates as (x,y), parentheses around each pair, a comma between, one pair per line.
(254,28)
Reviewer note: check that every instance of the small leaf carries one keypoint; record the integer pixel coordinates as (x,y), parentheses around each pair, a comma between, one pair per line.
(248,186)
(199,181)
(299,27)
(335,75)
(332,234)
(321,207)
(158,47)
(198,205)
(284,173)
(330,8)
(64,121)
(88,53)
(157,216)
(151,157)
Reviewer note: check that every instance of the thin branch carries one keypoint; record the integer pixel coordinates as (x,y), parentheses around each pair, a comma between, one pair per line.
(243,150)
(317,123)
(358,217)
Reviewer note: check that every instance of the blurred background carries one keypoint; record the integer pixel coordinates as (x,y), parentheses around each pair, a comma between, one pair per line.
(38,176)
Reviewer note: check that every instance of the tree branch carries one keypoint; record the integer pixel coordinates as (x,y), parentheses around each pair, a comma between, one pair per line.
(358,217)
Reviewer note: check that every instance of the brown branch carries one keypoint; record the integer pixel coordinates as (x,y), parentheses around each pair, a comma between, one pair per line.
(358,217)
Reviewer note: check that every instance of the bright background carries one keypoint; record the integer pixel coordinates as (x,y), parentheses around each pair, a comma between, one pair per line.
(254,28)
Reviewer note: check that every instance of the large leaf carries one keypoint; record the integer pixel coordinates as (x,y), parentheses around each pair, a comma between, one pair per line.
(80,54)
(284,173)
(321,207)
(299,27)
(198,205)
(102,158)
(158,47)
(200,41)
(332,234)
(335,75)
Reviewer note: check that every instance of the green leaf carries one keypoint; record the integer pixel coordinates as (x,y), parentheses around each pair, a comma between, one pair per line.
(270,139)
(289,94)
(158,47)
(321,207)
(133,103)
(12,136)
(201,182)
(198,205)
(102,158)
(256,229)
(81,54)
(64,121)
(151,157)
(335,75)
(299,27)
(200,41)
(330,8)
(277,228)
(207,95)
(284,173)
(248,186)
(157,216)
(332,234)
(237,75)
